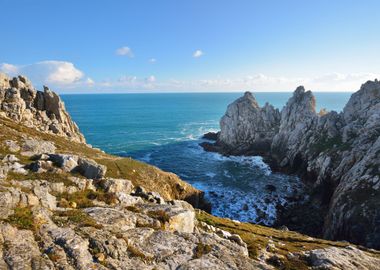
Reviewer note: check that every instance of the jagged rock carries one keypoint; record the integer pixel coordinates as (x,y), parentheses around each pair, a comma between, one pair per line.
(212,136)
(90,169)
(41,110)
(246,126)
(338,153)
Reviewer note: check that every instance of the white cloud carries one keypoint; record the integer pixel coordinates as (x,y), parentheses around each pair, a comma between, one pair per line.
(53,73)
(90,81)
(150,79)
(197,54)
(125,51)
(152,60)
(9,69)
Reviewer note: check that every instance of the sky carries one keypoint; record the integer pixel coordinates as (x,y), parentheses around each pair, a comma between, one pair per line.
(94,46)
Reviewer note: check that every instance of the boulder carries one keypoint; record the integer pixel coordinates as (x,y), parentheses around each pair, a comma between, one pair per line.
(33,147)
(90,169)
(66,162)
(116,185)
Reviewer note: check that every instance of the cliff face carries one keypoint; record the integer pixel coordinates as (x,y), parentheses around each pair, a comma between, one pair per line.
(42,110)
(338,153)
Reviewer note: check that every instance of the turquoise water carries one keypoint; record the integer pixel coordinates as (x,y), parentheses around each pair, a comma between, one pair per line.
(165,130)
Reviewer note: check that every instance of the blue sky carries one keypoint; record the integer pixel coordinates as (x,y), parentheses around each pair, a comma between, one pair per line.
(158,46)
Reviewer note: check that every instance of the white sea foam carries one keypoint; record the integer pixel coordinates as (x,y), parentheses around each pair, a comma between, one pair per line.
(211,174)
(147,157)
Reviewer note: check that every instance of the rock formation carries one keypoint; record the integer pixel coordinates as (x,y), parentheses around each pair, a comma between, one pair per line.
(337,153)
(65,205)
(245,125)
(42,110)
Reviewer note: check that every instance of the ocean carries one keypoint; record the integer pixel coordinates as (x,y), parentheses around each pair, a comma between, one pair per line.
(165,130)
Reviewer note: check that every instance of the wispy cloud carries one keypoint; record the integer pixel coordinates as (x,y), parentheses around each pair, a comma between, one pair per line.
(197,54)
(125,51)
(152,60)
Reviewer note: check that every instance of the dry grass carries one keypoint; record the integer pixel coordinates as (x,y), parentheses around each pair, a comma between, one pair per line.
(77,217)
(22,218)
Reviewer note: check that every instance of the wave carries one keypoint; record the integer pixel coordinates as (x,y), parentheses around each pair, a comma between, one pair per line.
(253,161)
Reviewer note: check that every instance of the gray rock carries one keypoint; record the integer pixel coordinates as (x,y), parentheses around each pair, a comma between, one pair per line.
(33,147)
(245,125)
(43,111)
(90,169)
(116,185)
(66,162)
(334,258)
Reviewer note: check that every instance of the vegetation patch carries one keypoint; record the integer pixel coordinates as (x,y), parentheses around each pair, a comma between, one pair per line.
(22,218)
(160,215)
(202,249)
(77,217)
(85,198)
(135,252)
(256,237)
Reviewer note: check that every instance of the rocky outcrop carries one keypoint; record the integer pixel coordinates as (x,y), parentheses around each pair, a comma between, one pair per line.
(246,126)
(88,221)
(44,111)
(336,153)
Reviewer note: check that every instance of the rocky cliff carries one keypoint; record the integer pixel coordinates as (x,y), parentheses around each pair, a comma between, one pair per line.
(337,153)
(65,205)
(42,110)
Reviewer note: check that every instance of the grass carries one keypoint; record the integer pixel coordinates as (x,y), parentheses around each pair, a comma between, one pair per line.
(85,198)
(202,249)
(135,252)
(22,218)
(256,237)
(77,217)
(160,215)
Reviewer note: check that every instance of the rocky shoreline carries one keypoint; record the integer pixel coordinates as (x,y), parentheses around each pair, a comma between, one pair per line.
(336,154)
(66,205)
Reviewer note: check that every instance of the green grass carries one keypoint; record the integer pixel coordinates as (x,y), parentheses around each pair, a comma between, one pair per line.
(22,218)
(85,198)
(77,217)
